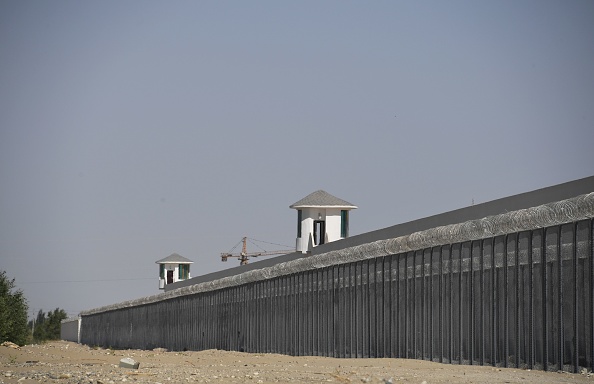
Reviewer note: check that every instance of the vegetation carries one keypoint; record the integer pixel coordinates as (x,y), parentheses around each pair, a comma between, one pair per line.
(47,327)
(13,312)
(13,317)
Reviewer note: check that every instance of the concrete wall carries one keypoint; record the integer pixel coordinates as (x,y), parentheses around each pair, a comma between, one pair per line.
(518,300)
(70,329)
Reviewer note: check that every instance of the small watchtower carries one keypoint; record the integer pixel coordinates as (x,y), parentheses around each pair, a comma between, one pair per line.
(172,269)
(321,218)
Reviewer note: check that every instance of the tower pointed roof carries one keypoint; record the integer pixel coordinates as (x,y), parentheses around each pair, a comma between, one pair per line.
(174,258)
(322,199)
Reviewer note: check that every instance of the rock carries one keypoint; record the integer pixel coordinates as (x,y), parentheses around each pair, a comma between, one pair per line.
(130,363)
(159,350)
(9,344)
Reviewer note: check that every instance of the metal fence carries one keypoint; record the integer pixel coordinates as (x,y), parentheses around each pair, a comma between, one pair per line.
(522,299)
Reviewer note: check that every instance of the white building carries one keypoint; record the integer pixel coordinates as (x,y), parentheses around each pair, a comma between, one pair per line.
(172,269)
(321,218)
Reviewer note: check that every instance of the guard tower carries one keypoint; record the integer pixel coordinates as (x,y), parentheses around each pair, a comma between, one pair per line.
(172,269)
(321,218)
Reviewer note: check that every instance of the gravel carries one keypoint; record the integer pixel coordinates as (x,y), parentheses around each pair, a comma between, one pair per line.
(64,363)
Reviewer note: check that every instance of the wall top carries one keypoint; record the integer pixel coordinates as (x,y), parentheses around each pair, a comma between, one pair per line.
(175,259)
(322,199)
(543,216)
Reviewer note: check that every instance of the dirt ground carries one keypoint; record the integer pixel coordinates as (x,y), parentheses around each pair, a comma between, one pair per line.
(66,362)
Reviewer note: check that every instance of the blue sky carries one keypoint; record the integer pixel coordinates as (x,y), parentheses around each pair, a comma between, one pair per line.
(132,130)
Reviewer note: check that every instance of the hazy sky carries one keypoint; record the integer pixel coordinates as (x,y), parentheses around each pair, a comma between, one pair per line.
(132,130)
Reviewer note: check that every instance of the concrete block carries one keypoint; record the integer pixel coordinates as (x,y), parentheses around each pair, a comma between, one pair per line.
(127,362)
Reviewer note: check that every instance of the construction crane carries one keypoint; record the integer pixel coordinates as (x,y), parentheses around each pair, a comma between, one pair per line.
(244,255)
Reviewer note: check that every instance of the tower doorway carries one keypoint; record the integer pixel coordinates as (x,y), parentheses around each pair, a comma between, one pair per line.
(319,233)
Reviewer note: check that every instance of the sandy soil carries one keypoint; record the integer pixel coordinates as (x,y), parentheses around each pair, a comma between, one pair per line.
(66,362)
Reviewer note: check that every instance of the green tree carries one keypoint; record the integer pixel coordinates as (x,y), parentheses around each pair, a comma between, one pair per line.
(39,331)
(13,312)
(54,323)
(47,327)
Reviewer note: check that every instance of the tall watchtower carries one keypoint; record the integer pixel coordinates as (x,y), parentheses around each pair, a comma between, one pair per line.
(321,218)
(172,269)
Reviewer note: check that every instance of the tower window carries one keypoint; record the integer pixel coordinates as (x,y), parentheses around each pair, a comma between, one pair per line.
(183,271)
(299,218)
(344,223)
(162,271)
(319,235)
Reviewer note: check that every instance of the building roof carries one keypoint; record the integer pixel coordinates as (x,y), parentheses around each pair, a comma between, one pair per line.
(322,199)
(174,258)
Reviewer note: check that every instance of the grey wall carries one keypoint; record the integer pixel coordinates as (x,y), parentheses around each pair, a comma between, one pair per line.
(69,329)
(519,300)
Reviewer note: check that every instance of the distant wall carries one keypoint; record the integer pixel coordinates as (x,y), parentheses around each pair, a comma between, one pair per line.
(495,207)
(511,290)
(507,204)
(70,329)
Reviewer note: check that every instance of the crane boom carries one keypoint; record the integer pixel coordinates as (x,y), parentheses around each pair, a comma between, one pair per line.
(244,255)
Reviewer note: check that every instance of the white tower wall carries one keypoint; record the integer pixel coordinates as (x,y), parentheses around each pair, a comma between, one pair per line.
(333,224)
(319,214)
(170,266)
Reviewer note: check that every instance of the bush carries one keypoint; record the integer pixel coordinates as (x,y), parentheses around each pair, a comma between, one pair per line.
(13,312)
